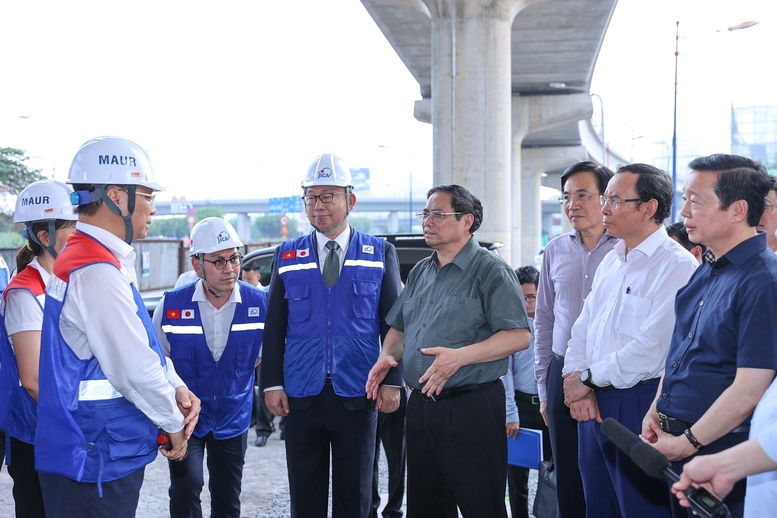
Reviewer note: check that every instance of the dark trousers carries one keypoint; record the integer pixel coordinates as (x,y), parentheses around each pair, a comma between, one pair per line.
(27,496)
(264,418)
(311,433)
(66,498)
(735,500)
(457,455)
(614,485)
(563,441)
(225,467)
(517,477)
(391,432)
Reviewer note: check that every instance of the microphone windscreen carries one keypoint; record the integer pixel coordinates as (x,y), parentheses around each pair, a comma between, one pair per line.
(649,459)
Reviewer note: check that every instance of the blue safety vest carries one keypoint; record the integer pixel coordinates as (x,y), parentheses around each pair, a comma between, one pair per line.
(87,431)
(18,411)
(333,330)
(225,387)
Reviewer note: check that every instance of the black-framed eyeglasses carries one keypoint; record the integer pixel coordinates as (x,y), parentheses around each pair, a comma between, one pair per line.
(327,197)
(235,261)
(583,197)
(615,202)
(436,215)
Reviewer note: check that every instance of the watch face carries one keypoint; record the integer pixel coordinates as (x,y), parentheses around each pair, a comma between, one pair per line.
(584,376)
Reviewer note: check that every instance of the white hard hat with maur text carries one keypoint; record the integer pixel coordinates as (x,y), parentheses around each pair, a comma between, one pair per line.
(330,170)
(213,235)
(44,200)
(112,161)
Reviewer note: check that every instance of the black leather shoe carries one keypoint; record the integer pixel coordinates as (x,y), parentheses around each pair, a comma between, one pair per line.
(260,441)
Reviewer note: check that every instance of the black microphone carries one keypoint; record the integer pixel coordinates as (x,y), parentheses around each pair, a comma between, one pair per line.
(655,464)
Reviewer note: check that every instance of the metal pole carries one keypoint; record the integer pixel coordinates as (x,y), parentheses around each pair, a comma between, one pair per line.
(674,131)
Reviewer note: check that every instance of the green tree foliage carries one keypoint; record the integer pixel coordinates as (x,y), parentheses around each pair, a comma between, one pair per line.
(361,224)
(14,172)
(178,227)
(11,239)
(269,226)
(210,211)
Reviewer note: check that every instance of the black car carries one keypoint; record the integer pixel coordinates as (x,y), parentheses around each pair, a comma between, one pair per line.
(411,248)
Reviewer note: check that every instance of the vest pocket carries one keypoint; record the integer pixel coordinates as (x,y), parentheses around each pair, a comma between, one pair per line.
(129,437)
(364,302)
(298,299)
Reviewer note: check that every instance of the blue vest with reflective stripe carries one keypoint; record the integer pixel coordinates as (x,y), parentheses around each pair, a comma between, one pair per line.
(18,411)
(86,431)
(331,330)
(225,387)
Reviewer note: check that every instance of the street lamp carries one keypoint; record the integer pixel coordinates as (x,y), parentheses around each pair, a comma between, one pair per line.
(744,25)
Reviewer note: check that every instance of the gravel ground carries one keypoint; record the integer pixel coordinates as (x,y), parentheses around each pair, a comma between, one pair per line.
(265,484)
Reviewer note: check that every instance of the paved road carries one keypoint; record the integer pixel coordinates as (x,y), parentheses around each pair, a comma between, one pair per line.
(265,484)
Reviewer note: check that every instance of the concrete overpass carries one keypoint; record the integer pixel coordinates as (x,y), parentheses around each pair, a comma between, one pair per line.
(505,84)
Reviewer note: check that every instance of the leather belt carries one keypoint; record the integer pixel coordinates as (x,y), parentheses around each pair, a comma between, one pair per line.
(677,427)
(534,399)
(456,391)
(559,358)
(607,388)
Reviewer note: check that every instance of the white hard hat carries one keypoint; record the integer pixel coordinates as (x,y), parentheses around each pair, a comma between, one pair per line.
(328,169)
(213,235)
(44,200)
(112,161)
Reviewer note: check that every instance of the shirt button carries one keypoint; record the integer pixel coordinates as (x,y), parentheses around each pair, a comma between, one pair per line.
(701,303)
(690,335)
(674,364)
(586,276)
(664,395)
(431,302)
(424,325)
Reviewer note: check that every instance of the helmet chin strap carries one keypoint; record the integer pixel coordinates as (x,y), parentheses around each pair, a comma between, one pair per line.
(52,237)
(101,194)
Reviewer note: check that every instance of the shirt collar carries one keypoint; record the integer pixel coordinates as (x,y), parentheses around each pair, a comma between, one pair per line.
(465,255)
(648,245)
(124,252)
(199,295)
(44,275)
(343,239)
(575,236)
(745,250)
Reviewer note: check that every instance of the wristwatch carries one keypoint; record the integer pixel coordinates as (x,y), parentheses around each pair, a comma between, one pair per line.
(585,379)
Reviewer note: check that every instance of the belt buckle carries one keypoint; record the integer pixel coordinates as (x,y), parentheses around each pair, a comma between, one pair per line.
(663,422)
(431,396)
(535,400)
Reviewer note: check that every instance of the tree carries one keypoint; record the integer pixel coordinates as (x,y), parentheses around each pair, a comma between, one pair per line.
(169,227)
(269,226)
(14,172)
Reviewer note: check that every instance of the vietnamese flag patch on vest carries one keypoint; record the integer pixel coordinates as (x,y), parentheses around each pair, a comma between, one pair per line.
(173,313)
(291,254)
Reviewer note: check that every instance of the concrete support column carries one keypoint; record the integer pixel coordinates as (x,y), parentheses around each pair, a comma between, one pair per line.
(244,227)
(392,226)
(532,114)
(471,78)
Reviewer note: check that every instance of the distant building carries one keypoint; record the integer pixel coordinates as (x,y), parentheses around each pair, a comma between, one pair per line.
(754,133)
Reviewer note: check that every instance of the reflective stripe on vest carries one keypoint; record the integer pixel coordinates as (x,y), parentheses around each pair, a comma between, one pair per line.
(182,330)
(294,267)
(363,263)
(97,390)
(251,326)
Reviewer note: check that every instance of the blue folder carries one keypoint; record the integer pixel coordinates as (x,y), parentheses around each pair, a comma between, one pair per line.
(526,450)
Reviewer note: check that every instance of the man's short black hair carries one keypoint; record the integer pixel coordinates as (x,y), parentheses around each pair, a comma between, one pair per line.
(652,183)
(739,178)
(462,201)
(528,275)
(601,173)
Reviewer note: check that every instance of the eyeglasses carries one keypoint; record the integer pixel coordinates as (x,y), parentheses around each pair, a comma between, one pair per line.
(327,197)
(150,197)
(770,206)
(436,215)
(529,298)
(235,261)
(615,202)
(567,199)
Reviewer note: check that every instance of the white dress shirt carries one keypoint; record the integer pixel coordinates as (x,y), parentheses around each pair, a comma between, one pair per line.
(321,240)
(99,319)
(624,331)
(22,312)
(216,323)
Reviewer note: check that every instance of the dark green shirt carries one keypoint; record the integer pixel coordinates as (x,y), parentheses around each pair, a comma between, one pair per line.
(464,302)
